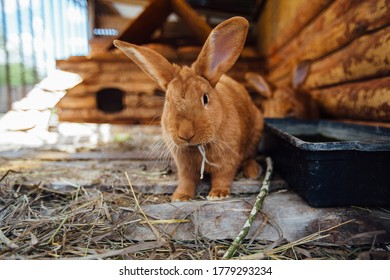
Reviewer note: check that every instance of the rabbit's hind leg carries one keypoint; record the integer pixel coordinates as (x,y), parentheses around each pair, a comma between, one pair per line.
(252,169)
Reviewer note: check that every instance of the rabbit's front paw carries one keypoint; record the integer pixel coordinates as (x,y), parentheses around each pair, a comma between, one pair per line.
(180,197)
(218,194)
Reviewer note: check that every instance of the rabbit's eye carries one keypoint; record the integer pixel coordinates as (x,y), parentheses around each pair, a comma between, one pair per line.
(205,99)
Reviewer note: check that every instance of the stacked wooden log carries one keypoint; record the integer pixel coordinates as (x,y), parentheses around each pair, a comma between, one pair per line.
(108,72)
(347,42)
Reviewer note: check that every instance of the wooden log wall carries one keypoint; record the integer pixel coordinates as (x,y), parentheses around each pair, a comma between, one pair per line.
(348,45)
(141,101)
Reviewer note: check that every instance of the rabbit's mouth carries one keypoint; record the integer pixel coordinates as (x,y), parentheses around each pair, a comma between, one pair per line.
(185,143)
(191,144)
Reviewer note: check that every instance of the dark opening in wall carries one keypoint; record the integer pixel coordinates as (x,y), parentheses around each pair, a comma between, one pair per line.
(110,100)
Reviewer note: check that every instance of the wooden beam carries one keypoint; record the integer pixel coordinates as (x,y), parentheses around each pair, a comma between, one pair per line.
(133,101)
(368,100)
(85,101)
(91,17)
(79,65)
(139,31)
(127,116)
(193,21)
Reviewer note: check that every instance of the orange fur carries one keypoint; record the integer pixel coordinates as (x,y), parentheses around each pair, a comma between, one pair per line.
(205,107)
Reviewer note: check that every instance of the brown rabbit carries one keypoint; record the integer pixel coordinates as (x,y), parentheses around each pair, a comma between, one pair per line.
(287,101)
(209,120)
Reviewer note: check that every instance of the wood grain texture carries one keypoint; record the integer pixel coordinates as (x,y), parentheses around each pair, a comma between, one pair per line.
(105,171)
(366,57)
(132,100)
(282,20)
(127,116)
(336,27)
(342,22)
(368,100)
(218,220)
(224,220)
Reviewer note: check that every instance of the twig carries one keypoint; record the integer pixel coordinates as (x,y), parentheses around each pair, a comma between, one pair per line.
(57,230)
(166,222)
(8,172)
(4,239)
(127,250)
(256,208)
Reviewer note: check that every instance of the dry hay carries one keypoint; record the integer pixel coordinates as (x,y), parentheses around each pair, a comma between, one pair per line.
(41,223)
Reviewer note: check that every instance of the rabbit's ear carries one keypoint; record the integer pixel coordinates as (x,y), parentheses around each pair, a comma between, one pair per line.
(152,63)
(300,73)
(259,84)
(222,49)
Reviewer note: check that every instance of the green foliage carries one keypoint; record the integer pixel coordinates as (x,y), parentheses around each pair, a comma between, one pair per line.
(18,75)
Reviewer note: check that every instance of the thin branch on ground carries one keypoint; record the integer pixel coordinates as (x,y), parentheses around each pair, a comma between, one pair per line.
(256,208)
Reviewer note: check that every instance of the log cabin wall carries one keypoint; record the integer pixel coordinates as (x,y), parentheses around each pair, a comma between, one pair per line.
(112,91)
(348,45)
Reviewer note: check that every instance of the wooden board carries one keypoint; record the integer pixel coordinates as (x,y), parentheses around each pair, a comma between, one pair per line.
(105,171)
(218,220)
(127,116)
(141,29)
(82,66)
(295,219)
(154,15)
(147,87)
(135,100)
(194,22)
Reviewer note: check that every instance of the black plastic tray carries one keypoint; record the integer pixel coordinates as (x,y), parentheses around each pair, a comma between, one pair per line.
(331,163)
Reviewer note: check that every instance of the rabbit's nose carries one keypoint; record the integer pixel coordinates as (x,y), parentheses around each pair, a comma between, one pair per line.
(186,138)
(186,130)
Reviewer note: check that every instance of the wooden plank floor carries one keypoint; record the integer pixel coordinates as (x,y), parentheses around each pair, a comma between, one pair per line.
(104,168)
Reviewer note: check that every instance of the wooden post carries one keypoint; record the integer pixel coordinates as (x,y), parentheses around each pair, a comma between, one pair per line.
(193,21)
(139,31)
